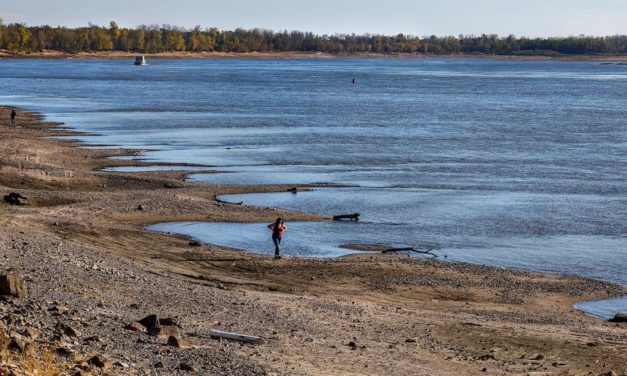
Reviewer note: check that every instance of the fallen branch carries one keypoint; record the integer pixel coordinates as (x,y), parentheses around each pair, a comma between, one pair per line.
(237,337)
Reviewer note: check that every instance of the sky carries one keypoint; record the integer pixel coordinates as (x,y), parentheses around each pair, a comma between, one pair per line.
(532,18)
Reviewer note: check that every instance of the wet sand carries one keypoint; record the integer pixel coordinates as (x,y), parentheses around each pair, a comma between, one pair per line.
(81,242)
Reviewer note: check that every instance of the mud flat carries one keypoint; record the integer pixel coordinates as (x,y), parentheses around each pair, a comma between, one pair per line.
(81,248)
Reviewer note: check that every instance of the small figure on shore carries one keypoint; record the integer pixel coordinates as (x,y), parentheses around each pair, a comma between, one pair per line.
(13,115)
(354,81)
(277,228)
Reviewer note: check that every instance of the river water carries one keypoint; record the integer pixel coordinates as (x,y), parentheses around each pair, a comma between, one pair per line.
(509,163)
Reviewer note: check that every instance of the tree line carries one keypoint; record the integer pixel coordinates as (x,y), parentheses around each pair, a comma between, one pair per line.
(19,38)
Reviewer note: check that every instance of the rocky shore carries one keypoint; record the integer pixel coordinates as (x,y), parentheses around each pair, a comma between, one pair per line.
(89,291)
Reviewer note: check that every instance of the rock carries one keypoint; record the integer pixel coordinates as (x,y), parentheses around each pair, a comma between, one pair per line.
(186,367)
(71,332)
(121,364)
(620,317)
(487,357)
(15,199)
(168,321)
(92,340)
(410,340)
(608,373)
(165,332)
(58,310)
(195,243)
(136,327)
(100,362)
(150,321)
(177,342)
(12,285)
(158,365)
(64,351)
(352,345)
(537,357)
(29,348)
(17,342)
(140,207)
(31,333)
(4,343)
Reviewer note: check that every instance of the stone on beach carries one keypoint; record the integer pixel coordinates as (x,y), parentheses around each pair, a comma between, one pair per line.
(165,331)
(135,326)
(176,341)
(100,362)
(12,285)
(15,199)
(150,321)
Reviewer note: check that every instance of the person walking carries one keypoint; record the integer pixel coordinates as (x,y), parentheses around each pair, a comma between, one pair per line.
(278,228)
(13,115)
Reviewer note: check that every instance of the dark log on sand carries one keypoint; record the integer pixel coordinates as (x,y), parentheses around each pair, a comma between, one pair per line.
(352,217)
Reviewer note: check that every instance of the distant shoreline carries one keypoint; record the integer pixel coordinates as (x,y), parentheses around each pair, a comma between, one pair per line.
(302,55)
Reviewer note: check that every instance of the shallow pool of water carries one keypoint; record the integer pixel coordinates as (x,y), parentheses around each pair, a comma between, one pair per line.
(324,239)
(567,234)
(304,239)
(605,309)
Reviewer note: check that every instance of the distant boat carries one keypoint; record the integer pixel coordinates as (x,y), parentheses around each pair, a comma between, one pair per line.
(140,60)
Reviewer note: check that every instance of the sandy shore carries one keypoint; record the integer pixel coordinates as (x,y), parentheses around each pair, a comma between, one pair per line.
(302,55)
(87,262)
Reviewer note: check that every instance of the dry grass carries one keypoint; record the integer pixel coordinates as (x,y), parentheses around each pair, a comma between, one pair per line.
(43,363)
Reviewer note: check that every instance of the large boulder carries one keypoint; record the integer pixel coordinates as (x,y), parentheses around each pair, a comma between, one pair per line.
(12,285)
(150,321)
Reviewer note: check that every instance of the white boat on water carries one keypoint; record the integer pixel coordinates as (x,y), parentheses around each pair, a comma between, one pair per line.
(140,60)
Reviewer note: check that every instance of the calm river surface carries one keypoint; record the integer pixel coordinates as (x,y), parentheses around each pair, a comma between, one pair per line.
(515,164)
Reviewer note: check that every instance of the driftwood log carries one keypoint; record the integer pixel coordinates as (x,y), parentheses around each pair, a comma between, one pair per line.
(351,217)
(237,337)
(228,203)
(409,249)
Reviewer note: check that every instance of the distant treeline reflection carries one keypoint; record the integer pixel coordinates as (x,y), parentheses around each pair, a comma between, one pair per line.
(19,38)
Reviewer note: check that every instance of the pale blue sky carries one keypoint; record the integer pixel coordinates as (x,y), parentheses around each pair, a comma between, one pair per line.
(418,17)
